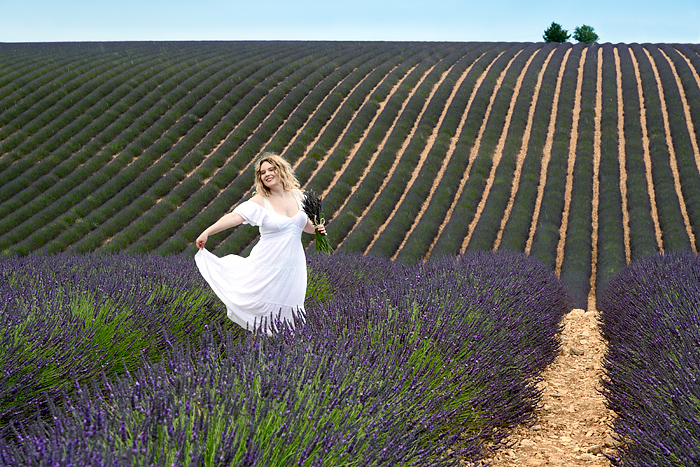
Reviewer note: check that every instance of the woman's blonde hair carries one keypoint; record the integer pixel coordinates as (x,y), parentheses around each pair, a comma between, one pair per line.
(284,170)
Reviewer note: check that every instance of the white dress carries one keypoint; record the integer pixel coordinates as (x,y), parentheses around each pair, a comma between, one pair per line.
(271,281)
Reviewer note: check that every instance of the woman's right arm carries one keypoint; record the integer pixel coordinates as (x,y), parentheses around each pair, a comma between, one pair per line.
(230,220)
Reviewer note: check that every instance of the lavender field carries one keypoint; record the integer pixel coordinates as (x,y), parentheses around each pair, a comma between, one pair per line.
(650,319)
(129,360)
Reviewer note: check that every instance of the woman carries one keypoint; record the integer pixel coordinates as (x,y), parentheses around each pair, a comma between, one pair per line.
(271,281)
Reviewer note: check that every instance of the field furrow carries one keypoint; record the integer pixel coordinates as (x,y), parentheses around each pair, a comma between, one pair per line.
(461,210)
(547,154)
(496,161)
(570,165)
(522,153)
(647,156)
(596,181)
(584,156)
(672,152)
(418,241)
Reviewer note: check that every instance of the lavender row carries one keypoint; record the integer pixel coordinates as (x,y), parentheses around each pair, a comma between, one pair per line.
(396,365)
(66,318)
(649,316)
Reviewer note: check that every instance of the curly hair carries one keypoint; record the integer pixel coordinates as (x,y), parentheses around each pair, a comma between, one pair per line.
(284,170)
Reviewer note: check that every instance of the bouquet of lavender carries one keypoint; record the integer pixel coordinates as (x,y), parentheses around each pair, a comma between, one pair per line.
(312,208)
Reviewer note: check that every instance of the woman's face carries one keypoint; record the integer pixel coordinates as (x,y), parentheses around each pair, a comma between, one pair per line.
(269,174)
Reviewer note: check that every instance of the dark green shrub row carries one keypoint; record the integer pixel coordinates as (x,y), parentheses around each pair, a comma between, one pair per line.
(137,156)
(489,223)
(150,186)
(517,229)
(297,67)
(37,128)
(299,101)
(405,214)
(140,134)
(19,85)
(678,54)
(451,239)
(360,121)
(420,117)
(394,122)
(22,183)
(421,238)
(78,184)
(546,237)
(611,236)
(29,94)
(673,232)
(339,83)
(642,233)
(576,267)
(682,145)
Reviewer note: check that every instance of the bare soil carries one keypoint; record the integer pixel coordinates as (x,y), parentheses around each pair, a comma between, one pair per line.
(573,139)
(546,153)
(672,152)
(453,145)
(622,158)
(523,152)
(572,426)
(370,164)
(647,155)
(498,153)
(596,178)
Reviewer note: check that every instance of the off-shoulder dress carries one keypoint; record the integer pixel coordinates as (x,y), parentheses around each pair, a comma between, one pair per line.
(271,281)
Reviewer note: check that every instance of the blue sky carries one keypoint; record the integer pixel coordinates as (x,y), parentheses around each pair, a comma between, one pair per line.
(387,20)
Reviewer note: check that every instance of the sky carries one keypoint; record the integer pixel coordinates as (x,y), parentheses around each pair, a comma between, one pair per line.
(628,21)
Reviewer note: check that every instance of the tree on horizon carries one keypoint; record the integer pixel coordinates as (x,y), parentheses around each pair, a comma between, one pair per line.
(555,33)
(585,34)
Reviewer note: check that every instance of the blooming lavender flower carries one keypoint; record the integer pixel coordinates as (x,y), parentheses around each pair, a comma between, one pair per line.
(649,316)
(396,365)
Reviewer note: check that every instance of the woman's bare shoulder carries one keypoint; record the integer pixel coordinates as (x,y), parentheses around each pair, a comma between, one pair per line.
(257,199)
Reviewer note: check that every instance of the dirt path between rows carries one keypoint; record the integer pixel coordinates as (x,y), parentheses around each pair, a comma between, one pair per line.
(572,425)
(546,153)
(647,156)
(498,153)
(573,141)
